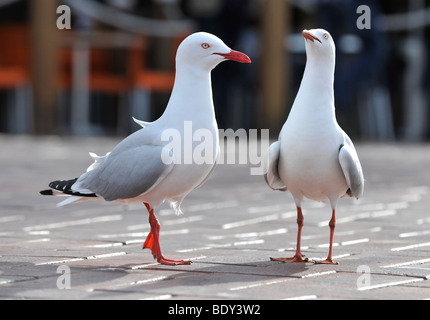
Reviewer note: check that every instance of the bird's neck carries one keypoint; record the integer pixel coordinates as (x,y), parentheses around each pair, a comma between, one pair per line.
(191,98)
(319,76)
(316,93)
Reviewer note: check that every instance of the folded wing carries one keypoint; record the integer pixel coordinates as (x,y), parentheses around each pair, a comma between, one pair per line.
(271,167)
(351,168)
(126,174)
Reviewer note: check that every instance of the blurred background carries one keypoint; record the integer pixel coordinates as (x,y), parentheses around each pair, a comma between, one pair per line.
(117,61)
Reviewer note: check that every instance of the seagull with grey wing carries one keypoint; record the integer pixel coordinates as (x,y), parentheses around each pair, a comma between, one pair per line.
(313,157)
(137,169)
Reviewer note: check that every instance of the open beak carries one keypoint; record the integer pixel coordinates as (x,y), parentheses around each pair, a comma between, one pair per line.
(309,36)
(236,56)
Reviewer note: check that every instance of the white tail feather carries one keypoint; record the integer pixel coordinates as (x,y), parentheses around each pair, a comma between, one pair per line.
(73,199)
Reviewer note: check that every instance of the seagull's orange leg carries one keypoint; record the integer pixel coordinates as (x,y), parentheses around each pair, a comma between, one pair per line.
(152,241)
(298,257)
(332,225)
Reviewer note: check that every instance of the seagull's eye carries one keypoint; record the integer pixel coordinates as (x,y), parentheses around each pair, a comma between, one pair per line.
(325,36)
(205,46)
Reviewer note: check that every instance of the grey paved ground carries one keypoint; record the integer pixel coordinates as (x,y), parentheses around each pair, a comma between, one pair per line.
(230,228)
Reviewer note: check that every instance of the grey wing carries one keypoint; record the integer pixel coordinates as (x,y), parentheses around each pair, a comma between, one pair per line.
(351,168)
(271,162)
(126,174)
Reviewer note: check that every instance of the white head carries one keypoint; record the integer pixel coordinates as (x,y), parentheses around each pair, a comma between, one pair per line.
(320,46)
(204,50)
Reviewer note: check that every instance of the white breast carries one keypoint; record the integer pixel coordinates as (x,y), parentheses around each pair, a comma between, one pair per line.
(309,164)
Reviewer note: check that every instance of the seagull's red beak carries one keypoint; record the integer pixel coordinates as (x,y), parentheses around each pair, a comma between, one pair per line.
(309,36)
(236,56)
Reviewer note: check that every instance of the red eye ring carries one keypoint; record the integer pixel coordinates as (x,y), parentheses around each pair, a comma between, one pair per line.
(205,45)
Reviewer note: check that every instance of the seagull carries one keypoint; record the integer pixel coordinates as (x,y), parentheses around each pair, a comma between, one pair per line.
(313,157)
(146,166)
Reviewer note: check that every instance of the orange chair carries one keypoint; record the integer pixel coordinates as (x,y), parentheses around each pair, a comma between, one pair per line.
(65,69)
(101,78)
(105,80)
(15,77)
(137,82)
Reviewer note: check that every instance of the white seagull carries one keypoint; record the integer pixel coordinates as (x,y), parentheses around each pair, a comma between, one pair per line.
(146,166)
(314,157)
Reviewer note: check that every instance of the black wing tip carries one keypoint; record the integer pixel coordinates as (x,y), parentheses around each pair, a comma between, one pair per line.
(65,186)
(62,185)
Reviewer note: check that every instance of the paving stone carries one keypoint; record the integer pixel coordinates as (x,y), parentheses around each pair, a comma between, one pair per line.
(230,228)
